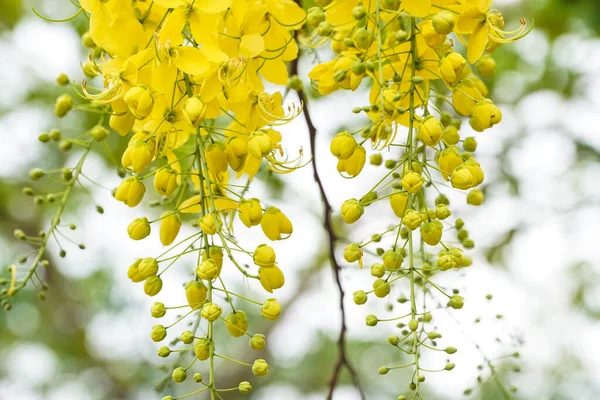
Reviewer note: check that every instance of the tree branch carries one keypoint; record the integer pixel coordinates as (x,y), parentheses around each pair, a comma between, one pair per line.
(342,359)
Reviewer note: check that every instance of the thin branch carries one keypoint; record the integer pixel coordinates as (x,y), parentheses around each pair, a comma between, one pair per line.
(342,358)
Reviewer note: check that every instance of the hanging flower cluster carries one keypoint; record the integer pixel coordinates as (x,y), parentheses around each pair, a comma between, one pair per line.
(421,87)
(182,84)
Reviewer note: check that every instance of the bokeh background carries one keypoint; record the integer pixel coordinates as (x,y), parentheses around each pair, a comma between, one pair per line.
(536,239)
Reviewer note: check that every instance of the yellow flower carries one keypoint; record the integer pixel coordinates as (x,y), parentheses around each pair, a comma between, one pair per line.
(351,211)
(275,225)
(140,101)
(465,96)
(131,191)
(195,293)
(211,312)
(137,156)
(343,146)
(259,144)
(451,67)
(271,278)
(411,182)
(250,212)
(165,181)
(237,323)
(412,219)
(236,151)
(139,229)
(448,160)
(398,202)
(270,309)
(355,163)
(430,131)
(264,256)
(208,270)
(194,111)
(431,232)
(485,115)
(169,227)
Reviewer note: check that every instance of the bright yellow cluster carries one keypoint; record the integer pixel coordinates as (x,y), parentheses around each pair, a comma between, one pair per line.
(421,87)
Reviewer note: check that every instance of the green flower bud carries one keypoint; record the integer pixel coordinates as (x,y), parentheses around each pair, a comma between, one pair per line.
(260,367)
(179,375)
(62,79)
(351,211)
(36,174)
(413,325)
(63,105)
(164,352)
(324,29)
(158,333)
(449,367)
(383,370)
(381,288)
(459,223)
(187,337)
(359,12)
(371,320)
(451,350)
(393,340)
(245,387)
(377,270)
(360,297)
(87,41)
(197,377)
(475,197)
(211,312)
(456,302)
(99,133)
(296,83)
(258,342)
(376,159)
(427,317)
(392,260)
(158,310)
(202,349)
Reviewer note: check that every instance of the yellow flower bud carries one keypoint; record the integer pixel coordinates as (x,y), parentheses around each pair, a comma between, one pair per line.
(353,253)
(363,38)
(207,224)
(442,212)
(377,270)
(245,387)
(216,159)
(179,375)
(195,293)
(412,219)
(194,111)
(275,225)
(264,256)
(137,156)
(464,97)
(448,160)
(430,131)
(250,212)
(139,228)
(153,285)
(169,227)
(451,67)
(208,270)
(148,267)
(258,342)
(381,288)
(158,310)
(352,210)
(237,323)
(202,349)
(343,146)
(360,297)
(140,101)
(446,262)
(158,333)
(392,260)
(133,272)
(260,367)
(450,135)
(462,178)
(398,202)
(485,115)
(431,232)
(236,150)
(355,163)
(270,309)
(271,278)
(99,133)
(475,197)
(411,182)
(443,22)
(211,312)
(131,191)
(486,66)
(122,124)
(456,302)
(64,104)
(472,165)
(431,36)
(214,253)
(259,144)
(165,181)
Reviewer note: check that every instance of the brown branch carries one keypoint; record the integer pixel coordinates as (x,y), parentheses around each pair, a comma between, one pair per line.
(342,359)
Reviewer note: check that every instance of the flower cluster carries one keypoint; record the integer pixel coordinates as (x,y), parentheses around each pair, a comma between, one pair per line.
(421,91)
(183,86)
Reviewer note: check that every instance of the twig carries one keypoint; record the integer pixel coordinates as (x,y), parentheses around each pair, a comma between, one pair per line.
(342,359)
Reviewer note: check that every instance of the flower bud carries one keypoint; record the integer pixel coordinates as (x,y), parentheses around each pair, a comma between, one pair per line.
(153,285)
(376,159)
(371,320)
(237,323)
(430,131)
(443,22)
(381,288)
(62,79)
(393,340)
(260,367)
(486,66)
(270,309)
(296,83)
(450,350)
(137,156)
(275,225)
(475,197)
(194,111)
(36,174)
(442,212)
(165,181)
(63,105)
(485,114)
(264,256)
(179,375)
(456,302)
(250,212)
(140,101)
(398,202)
(446,262)
(353,253)
(207,224)
(462,178)
(211,312)
(202,349)
(197,377)
(139,229)
(208,270)
(131,191)
(259,144)
(412,219)
(245,387)
(352,210)
(343,146)
(431,232)
(133,272)
(363,38)
(450,136)
(451,67)
(413,325)
(258,342)
(148,267)
(187,337)
(353,164)
(315,16)
(324,29)
(169,227)
(464,97)
(122,124)
(214,253)
(360,297)
(216,159)
(195,293)
(412,182)
(271,278)
(392,260)
(164,352)
(378,270)
(470,144)
(158,310)
(158,333)
(383,370)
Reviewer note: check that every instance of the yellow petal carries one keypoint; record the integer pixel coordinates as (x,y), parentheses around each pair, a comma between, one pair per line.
(252,45)
(418,8)
(191,205)
(204,28)
(99,23)
(90,6)
(275,71)
(212,6)
(172,27)
(477,43)
(214,54)
(191,61)
(469,20)
(169,3)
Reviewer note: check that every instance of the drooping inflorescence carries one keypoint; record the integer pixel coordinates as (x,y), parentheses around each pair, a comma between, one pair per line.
(421,89)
